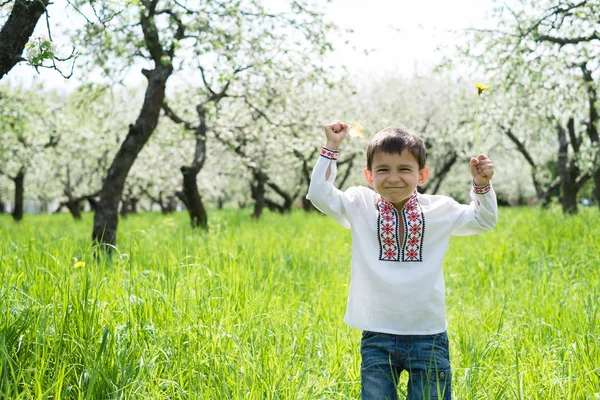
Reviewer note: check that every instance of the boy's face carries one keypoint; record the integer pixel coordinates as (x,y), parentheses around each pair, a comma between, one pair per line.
(396,176)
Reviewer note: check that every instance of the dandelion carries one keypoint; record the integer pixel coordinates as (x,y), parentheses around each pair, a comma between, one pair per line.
(480,89)
(79,264)
(357,130)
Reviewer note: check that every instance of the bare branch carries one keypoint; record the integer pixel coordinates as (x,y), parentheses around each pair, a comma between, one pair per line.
(565,41)
(80,12)
(171,114)
(179,33)
(205,81)
(187,10)
(554,11)
(520,146)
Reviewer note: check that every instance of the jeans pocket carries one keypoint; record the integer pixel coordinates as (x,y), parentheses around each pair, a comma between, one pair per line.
(442,339)
(367,334)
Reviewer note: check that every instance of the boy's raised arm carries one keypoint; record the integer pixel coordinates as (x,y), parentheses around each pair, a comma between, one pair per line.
(321,192)
(482,214)
(335,133)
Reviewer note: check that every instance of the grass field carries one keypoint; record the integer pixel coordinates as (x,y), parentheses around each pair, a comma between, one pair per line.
(253,310)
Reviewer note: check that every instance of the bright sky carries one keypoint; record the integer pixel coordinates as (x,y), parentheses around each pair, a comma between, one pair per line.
(404,36)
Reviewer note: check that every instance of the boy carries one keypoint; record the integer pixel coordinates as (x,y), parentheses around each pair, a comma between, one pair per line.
(399,239)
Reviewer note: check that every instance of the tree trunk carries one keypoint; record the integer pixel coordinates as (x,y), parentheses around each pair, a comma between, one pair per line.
(596,193)
(124,208)
(436,182)
(129,206)
(193,200)
(565,171)
(306,176)
(169,206)
(105,217)
(540,193)
(592,125)
(307,205)
(288,200)
(92,202)
(74,207)
(133,205)
(17,30)
(258,193)
(19,181)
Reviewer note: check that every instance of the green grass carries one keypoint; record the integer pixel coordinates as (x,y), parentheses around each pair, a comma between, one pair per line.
(254,309)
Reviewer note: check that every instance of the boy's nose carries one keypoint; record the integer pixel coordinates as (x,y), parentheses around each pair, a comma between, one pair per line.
(394,177)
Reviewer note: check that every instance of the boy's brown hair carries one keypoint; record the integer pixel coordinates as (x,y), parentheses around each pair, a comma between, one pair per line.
(395,140)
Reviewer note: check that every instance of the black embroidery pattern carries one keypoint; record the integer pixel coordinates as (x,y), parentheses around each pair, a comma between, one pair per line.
(329,154)
(389,235)
(387,231)
(414,229)
(482,189)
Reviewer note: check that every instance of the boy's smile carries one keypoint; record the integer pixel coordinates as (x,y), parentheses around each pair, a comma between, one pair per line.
(396,176)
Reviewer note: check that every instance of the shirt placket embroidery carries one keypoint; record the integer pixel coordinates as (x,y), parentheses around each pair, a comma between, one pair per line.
(389,234)
(414,229)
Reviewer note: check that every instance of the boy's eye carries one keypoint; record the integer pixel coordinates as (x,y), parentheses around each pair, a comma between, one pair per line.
(382,170)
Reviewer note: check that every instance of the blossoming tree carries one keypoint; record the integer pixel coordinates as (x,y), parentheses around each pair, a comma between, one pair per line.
(544,57)
(23,16)
(164,36)
(28,129)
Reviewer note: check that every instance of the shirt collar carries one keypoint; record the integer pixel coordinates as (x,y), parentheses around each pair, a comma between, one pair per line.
(410,203)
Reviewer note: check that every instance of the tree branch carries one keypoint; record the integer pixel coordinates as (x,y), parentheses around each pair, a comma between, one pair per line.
(206,84)
(565,41)
(520,146)
(347,173)
(575,141)
(175,118)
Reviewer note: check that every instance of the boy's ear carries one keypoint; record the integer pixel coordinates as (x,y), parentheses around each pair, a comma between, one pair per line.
(369,176)
(423,175)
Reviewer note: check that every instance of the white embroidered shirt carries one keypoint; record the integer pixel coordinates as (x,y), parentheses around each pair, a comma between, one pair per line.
(397,283)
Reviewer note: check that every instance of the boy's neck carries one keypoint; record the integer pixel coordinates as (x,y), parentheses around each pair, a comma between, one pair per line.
(400,205)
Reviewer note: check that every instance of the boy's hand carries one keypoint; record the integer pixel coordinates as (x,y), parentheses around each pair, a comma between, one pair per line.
(335,132)
(482,170)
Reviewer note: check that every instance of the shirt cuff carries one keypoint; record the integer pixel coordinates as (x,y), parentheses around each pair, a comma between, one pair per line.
(482,189)
(330,154)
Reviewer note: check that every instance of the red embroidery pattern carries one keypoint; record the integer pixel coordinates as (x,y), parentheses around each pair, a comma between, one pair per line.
(388,225)
(482,189)
(330,154)
(388,233)
(414,228)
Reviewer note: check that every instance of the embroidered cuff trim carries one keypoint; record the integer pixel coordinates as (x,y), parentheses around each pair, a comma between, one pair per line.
(482,189)
(330,154)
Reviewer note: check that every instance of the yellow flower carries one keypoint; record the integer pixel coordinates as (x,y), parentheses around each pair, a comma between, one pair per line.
(481,87)
(79,264)
(356,130)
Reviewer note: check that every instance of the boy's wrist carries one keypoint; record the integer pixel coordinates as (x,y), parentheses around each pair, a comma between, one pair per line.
(332,146)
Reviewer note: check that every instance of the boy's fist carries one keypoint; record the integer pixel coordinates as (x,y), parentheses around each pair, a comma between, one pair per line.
(482,170)
(335,133)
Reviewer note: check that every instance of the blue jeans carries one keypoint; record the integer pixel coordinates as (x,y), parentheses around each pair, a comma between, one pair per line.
(425,357)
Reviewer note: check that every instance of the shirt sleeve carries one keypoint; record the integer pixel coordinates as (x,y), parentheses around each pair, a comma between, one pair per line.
(326,197)
(479,216)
